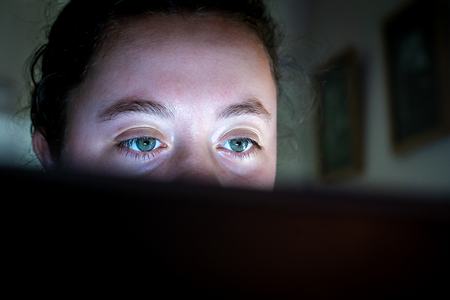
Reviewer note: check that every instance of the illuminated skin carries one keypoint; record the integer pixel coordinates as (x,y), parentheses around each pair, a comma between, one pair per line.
(199,87)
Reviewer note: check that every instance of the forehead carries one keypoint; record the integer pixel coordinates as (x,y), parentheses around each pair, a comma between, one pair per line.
(168,31)
(176,39)
(181,60)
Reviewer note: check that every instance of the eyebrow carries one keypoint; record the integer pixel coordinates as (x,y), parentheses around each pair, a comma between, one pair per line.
(125,106)
(251,107)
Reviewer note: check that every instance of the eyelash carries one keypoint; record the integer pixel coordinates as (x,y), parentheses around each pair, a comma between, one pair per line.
(243,155)
(255,148)
(138,155)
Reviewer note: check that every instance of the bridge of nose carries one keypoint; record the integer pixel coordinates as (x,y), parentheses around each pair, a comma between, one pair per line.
(195,163)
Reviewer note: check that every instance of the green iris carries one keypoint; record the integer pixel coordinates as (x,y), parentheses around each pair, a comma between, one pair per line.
(145,144)
(238,145)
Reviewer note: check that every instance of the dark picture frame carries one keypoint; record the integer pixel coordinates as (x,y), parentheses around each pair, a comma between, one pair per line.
(339,122)
(416,46)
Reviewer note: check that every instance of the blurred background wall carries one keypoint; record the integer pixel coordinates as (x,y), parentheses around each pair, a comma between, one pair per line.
(315,30)
(331,26)
(20,24)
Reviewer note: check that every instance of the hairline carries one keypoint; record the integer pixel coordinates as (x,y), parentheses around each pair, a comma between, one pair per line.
(126,23)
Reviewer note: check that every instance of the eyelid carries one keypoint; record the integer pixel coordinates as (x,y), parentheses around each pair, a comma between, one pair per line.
(254,149)
(139,132)
(245,133)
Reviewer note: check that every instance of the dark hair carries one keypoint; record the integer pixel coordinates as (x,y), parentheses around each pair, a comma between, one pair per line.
(61,65)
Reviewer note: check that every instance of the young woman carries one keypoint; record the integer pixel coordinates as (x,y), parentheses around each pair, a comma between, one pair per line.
(159,89)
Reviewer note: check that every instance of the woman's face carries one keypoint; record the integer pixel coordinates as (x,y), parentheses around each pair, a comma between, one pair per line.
(171,98)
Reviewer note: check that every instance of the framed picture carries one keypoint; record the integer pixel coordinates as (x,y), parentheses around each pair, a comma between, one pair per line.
(339,135)
(417,67)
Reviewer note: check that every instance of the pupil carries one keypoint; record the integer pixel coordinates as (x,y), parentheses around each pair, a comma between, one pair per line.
(146,144)
(238,145)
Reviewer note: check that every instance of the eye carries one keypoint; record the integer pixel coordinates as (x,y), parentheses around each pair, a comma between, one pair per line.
(142,144)
(238,144)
